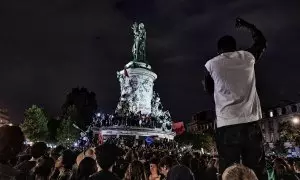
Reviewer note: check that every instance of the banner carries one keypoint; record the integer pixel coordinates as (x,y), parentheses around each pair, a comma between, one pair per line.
(178,127)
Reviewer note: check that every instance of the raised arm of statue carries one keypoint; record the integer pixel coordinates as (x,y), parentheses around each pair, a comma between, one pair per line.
(134,28)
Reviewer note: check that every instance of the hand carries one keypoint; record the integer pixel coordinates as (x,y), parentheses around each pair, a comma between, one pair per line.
(242,23)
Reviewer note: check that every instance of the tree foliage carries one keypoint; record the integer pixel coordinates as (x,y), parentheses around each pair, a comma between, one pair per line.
(205,141)
(66,133)
(202,140)
(184,138)
(289,132)
(35,124)
(53,125)
(85,103)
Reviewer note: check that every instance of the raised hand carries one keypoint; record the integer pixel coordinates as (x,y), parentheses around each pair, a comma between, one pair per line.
(240,23)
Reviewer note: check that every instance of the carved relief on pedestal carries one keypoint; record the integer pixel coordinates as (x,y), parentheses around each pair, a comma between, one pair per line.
(137,88)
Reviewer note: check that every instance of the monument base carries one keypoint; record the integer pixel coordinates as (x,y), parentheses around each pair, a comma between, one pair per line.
(117,131)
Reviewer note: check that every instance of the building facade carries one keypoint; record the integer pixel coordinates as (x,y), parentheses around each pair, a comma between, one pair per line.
(272,118)
(4,118)
(201,122)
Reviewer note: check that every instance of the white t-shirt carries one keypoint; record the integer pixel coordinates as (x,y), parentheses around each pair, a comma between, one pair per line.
(235,92)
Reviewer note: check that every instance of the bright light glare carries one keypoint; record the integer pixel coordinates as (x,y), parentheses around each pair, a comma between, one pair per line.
(98,114)
(271,114)
(296,120)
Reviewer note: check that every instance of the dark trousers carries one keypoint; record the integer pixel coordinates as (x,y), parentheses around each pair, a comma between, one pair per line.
(241,143)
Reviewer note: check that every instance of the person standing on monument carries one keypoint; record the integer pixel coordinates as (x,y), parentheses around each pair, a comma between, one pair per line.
(230,78)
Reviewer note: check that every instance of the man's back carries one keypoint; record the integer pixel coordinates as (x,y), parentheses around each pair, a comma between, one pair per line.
(234,88)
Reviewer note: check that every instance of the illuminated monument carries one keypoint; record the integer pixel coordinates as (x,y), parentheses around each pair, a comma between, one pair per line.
(137,81)
(137,95)
(137,78)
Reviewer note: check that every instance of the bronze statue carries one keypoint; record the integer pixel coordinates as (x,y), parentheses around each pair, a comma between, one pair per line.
(139,45)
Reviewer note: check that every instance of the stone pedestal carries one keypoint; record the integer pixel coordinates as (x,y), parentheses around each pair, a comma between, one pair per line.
(136,82)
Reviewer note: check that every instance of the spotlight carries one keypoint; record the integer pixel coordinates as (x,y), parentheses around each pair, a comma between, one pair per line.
(295,120)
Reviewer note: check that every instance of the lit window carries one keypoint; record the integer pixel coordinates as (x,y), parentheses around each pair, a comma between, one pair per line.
(271,113)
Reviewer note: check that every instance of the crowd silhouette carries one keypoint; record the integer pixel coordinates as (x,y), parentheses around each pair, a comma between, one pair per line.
(119,160)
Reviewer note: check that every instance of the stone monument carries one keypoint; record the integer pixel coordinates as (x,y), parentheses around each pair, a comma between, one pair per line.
(137,78)
(136,83)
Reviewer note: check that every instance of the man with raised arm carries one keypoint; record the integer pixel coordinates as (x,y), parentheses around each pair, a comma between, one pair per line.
(230,78)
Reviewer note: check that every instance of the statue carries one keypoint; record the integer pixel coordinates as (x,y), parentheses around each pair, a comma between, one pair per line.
(139,45)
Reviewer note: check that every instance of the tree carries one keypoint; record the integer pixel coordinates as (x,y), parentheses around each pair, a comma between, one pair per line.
(203,140)
(67,134)
(35,124)
(85,103)
(289,132)
(184,138)
(207,142)
(53,125)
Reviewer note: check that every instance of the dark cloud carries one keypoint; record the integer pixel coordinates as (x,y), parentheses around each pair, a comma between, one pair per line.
(48,47)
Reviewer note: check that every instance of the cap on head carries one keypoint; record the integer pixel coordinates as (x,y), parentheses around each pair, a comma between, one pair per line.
(226,44)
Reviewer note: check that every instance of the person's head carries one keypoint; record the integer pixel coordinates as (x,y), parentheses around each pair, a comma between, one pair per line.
(11,142)
(68,159)
(56,152)
(180,172)
(106,155)
(86,168)
(226,44)
(165,164)
(44,168)
(38,149)
(186,159)
(280,169)
(88,153)
(212,163)
(129,156)
(154,165)
(297,166)
(197,155)
(135,171)
(281,161)
(194,165)
(237,172)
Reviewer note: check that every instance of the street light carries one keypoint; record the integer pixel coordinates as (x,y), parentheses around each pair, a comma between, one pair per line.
(296,120)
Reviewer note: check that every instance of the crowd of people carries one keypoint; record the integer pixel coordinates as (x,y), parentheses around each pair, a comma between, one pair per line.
(132,120)
(115,160)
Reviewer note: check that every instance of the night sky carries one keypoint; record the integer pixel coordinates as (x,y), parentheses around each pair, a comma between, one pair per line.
(49,47)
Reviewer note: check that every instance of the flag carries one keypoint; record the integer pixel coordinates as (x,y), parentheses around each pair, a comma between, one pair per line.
(149,140)
(178,127)
(125,72)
